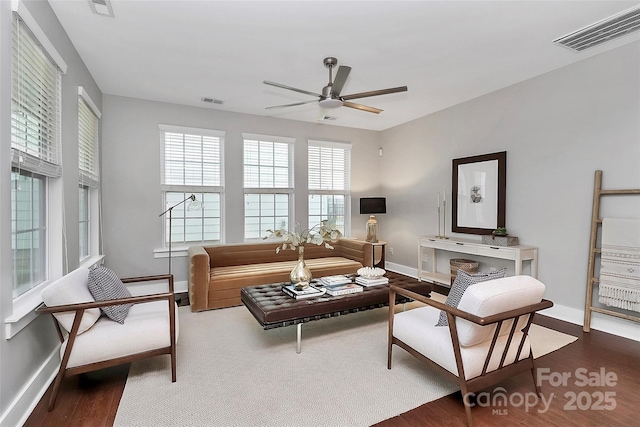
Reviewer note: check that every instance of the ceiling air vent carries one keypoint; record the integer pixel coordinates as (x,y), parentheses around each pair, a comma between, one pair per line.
(212,100)
(101,7)
(603,31)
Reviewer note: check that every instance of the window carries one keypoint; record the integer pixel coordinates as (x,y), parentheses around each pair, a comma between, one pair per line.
(28,230)
(192,164)
(329,183)
(268,184)
(36,151)
(89,176)
(84,222)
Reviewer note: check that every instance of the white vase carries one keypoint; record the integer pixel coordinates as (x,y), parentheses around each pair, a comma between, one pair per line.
(300,272)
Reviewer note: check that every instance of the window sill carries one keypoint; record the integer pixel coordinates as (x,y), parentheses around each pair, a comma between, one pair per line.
(24,306)
(176,251)
(91,261)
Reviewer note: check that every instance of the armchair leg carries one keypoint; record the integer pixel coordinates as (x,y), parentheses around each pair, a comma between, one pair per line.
(535,380)
(56,389)
(466,402)
(173,363)
(389,355)
(467,409)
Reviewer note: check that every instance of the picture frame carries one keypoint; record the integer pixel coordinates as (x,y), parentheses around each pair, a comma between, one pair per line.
(479,190)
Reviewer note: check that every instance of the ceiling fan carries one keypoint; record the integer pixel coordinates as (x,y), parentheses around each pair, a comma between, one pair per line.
(330,96)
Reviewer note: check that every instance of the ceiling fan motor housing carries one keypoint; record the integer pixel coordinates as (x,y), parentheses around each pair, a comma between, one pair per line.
(328,100)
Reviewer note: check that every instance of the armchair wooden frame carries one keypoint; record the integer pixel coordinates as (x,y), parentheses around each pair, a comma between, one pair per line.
(79,311)
(485,379)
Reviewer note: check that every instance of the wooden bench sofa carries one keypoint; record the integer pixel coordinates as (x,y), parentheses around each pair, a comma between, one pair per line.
(218,273)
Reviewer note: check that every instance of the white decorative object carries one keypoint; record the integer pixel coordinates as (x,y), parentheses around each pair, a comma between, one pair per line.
(371,272)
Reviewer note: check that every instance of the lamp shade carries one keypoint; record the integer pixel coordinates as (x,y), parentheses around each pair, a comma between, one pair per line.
(373,205)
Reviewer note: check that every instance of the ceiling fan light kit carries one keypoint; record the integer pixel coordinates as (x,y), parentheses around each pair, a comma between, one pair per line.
(330,103)
(330,96)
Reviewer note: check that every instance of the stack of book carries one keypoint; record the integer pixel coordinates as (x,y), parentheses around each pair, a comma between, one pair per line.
(308,292)
(371,281)
(343,289)
(339,279)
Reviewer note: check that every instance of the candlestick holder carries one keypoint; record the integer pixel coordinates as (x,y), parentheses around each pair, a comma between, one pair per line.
(444,221)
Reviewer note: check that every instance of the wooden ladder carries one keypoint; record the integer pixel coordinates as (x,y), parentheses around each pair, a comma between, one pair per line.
(596,221)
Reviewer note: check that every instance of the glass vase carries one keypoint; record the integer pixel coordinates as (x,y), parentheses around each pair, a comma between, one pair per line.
(300,272)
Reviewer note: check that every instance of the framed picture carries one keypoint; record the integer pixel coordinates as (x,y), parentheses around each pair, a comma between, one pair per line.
(479,190)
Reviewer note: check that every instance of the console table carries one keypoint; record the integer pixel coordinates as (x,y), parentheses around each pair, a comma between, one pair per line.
(429,245)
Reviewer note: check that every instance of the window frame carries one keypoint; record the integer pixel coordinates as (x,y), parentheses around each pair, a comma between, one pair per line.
(261,190)
(84,222)
(23,306)
(322,192)
(179,247)
(89,177)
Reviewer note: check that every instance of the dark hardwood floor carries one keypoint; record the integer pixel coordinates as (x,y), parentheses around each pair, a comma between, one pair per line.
(92,399)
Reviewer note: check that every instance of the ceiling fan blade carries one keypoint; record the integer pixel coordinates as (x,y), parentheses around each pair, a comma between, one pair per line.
(291,88)
(375,93)
(362,107)
(340,80)
(291,105)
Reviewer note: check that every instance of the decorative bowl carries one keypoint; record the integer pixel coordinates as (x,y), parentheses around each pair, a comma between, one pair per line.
(371,272)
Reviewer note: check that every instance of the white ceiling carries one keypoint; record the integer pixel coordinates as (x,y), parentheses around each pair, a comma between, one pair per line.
(446,52)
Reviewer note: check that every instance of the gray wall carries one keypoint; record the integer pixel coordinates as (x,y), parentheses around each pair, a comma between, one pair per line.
(132,198)
(25,363)
(557,129)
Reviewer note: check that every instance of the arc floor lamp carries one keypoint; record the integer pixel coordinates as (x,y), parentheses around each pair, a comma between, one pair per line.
(194,204)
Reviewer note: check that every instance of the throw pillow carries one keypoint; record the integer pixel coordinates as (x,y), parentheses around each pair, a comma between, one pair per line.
(104,285)
(71,289)
(460,285)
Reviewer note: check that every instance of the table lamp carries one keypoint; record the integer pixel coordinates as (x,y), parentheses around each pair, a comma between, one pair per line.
(370,206)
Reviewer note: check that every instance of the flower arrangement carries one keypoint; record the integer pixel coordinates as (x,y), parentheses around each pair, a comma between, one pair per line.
(324,232)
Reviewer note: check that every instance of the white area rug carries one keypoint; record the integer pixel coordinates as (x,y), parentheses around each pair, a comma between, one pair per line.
(233,373)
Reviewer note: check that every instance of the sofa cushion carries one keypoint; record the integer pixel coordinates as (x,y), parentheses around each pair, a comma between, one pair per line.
(105,285)
(318,267)
(226,282)
(417,328)
(71,289)
(460,285)
(145,328)
(493,297)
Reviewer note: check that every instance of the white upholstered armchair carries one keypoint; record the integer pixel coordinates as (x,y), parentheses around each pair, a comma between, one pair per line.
(486,339)
(94,341)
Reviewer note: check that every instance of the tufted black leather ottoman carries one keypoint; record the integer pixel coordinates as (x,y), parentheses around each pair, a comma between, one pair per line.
(274,309)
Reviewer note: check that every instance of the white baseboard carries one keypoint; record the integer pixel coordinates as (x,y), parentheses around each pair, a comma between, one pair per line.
(611,325)
(28,397)
(402,269)
(599,322)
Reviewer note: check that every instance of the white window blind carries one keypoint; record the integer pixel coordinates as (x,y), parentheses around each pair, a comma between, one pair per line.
(329,164)
(191,158)
(329,183)
(267,164)
(88,124)
(35,105)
